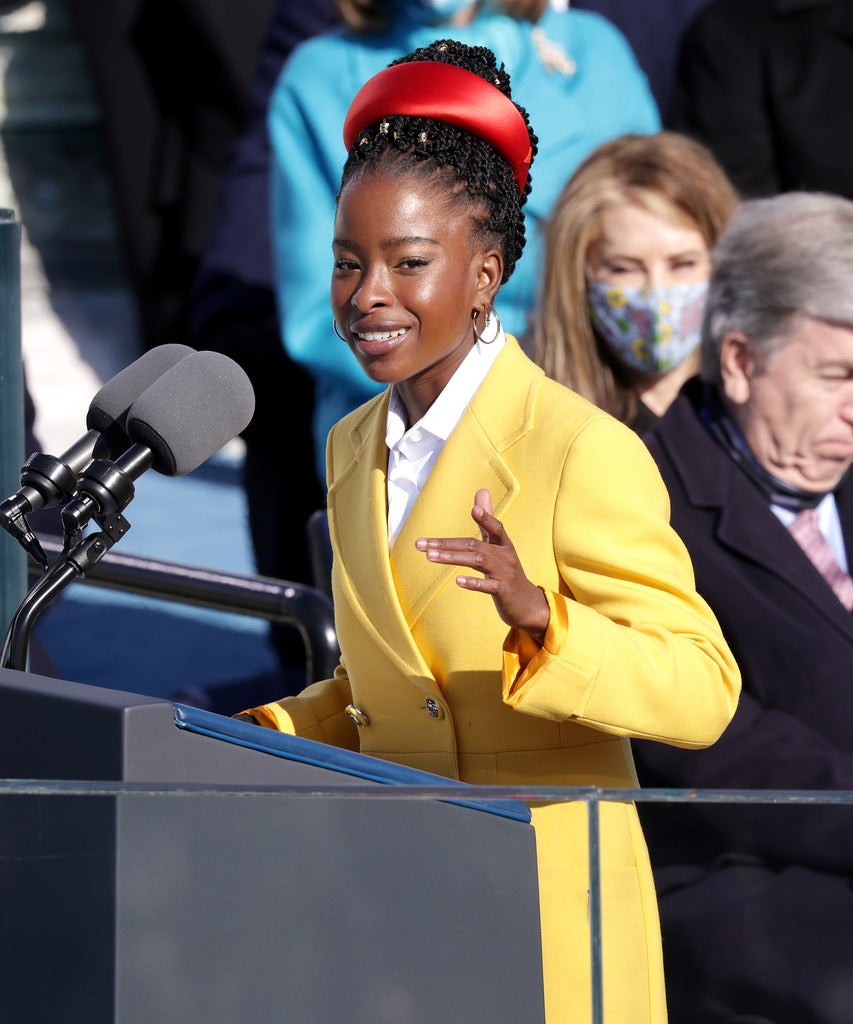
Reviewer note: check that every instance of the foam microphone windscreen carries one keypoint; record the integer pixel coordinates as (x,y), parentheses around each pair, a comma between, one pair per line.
(110,405)
(193,410)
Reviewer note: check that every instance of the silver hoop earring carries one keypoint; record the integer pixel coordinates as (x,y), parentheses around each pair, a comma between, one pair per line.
(337,330)
(488,313)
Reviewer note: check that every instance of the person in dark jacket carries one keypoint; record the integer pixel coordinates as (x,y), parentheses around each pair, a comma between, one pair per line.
(183,87)
(757,901)
(765,84)
(232,309)
(654,29)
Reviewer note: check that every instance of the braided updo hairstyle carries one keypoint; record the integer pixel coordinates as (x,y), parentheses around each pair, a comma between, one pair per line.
(472,169)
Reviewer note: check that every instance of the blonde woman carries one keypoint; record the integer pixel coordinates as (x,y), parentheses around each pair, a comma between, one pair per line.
(627,262)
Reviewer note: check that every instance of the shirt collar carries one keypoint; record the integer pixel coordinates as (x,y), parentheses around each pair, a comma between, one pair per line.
(446,411)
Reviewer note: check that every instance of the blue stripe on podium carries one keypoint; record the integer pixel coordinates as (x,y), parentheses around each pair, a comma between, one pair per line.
(335,759)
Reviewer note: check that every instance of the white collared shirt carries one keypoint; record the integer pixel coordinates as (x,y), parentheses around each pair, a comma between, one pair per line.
(830,526)
(413,452)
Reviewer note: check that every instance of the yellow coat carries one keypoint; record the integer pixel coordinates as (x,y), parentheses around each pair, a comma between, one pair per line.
(631,649)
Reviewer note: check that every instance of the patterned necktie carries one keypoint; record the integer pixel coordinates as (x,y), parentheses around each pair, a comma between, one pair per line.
(805,530)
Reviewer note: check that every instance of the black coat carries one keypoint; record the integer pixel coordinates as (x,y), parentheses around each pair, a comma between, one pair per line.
(174,82)
(654,29)
(737,885)
(767,85)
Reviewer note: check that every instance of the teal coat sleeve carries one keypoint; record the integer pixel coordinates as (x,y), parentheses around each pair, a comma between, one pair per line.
(305,120)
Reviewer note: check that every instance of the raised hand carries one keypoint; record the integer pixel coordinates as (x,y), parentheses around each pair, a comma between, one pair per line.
(519,602)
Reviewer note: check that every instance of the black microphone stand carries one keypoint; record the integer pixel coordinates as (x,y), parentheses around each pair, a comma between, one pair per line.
(45,481)
(103,492)
(47,588)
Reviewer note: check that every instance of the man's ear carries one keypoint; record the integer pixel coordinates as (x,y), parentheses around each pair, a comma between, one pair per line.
(737,367)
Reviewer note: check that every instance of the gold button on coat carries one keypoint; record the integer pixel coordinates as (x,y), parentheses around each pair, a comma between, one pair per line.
(357,715)
(434,709)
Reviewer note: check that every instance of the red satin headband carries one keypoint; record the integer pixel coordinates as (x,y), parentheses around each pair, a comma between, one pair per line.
(446,93)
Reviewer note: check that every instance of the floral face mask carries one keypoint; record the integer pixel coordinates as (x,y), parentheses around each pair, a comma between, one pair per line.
(650,329)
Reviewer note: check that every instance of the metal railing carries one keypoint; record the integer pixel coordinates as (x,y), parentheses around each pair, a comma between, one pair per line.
(302,606)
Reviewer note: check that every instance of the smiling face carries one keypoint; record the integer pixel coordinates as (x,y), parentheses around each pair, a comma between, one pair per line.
(796,411)
(408,272)
(638,248)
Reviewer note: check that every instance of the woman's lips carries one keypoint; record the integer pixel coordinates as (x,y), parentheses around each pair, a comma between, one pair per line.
(377,343)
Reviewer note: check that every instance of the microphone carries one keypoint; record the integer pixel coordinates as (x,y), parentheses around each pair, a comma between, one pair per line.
(175,425)
(192,411)
(48,480)
(52,478)
(109,408)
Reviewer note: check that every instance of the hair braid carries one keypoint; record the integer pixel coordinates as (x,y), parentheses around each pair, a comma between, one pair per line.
(403,144)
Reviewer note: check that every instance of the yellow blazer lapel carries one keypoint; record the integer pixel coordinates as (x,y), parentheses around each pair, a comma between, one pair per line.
(500,412)
(358,525)
(392,593)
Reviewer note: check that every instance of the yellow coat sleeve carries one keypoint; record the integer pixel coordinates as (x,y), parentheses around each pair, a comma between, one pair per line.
(631,648)
(317,713)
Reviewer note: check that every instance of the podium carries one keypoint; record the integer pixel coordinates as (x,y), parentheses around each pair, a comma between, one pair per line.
(205,870)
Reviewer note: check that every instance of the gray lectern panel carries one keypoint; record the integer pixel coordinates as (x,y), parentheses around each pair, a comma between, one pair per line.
(357,911)
(54,729)
(216,908)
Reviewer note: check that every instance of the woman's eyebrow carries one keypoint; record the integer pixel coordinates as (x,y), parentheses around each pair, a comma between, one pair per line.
(409,240)
(390,243)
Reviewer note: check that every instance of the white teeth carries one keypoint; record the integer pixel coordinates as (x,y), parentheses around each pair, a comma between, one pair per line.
(381,335)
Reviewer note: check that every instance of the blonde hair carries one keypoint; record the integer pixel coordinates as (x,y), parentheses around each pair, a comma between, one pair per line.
(376,15)
(666,173)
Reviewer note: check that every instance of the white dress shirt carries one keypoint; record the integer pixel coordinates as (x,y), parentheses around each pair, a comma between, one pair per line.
(412,452)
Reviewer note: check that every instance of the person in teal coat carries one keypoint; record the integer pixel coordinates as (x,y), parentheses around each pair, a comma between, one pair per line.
(572,70)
